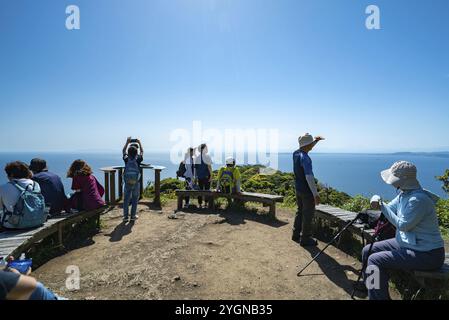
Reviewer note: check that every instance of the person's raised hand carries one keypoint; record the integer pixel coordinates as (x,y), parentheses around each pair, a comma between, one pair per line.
(319,138)
(128,139)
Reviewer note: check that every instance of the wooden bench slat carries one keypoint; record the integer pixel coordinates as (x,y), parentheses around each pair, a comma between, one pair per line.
(13,242)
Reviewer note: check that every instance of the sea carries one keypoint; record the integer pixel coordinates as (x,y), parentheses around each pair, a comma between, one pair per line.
(355,174)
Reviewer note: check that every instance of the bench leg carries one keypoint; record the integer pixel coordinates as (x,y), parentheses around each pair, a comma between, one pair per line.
(272,213)
(60,237)
(179,203)
(212,204)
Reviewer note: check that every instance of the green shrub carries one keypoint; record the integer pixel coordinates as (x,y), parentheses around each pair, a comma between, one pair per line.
(357,204)
(445,179)
(442,208)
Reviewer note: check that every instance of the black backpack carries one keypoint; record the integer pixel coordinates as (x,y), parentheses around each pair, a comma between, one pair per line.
(181,170)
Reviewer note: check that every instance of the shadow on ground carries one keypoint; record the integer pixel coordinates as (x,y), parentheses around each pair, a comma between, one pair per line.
(334,271)
(237,215)
(120,231)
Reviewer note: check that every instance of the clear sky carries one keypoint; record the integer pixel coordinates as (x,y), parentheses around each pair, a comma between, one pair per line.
(147,67)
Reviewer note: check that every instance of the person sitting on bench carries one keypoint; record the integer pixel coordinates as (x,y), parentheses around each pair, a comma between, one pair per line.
(16,286)
(88,192)
(229,179)
(51,186)
(418,244)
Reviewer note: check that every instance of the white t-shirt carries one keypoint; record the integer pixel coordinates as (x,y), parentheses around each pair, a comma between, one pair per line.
(190,172)
(9,194)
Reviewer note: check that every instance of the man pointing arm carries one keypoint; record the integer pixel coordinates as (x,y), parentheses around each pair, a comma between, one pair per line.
(307,196)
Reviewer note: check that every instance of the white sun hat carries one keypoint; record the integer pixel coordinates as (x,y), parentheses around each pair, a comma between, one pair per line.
(230,160)
(402,174)
(305,140)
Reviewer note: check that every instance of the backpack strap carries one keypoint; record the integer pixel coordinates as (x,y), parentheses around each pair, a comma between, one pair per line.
(22,189)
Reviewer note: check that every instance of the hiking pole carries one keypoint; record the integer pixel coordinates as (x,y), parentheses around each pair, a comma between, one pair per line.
(330,243)
(364,265)
(376,237)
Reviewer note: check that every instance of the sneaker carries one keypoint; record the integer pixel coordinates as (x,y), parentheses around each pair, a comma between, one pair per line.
(125,219)
(134,218)
(308,243)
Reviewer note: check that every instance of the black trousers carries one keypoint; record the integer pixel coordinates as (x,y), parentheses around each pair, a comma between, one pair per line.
(304,216)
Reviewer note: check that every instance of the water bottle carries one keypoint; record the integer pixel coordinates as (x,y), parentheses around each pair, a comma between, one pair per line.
(22,265)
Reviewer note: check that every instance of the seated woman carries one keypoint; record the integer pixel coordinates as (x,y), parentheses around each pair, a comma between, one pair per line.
(18,174)
(418,244)
(51,186)
(88,191)
(17,286)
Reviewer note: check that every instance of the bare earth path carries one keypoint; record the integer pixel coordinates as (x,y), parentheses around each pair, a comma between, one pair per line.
(200,256)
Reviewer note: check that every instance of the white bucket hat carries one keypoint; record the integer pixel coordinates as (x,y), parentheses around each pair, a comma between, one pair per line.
(305,140)
(402,174)
(230,160)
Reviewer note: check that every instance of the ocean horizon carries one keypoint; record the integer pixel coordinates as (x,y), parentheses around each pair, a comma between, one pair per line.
(353,173)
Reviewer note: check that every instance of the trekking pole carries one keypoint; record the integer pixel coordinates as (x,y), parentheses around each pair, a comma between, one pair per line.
(330,243)
(365,261)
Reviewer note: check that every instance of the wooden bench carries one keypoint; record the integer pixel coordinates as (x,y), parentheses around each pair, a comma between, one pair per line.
(15,242)
(267,200)
(342,217)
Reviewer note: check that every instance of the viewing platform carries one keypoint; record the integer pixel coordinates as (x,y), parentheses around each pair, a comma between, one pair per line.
(113,181)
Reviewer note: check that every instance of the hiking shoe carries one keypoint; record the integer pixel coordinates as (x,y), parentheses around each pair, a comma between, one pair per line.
(134,218)
(296,238)
(308,243)
(125,219)
(360,287)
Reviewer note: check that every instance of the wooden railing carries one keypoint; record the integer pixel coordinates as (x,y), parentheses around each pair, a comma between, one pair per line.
(113,181)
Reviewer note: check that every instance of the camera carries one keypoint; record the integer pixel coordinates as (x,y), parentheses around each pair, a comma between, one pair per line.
(370,217)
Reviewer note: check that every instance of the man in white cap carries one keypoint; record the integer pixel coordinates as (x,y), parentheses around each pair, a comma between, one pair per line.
(418,244)
(306,191)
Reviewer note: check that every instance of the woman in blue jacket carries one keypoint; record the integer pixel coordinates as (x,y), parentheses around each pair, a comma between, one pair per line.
(418,244)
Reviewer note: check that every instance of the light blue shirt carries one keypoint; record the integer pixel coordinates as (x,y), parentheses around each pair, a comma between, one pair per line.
(414,216)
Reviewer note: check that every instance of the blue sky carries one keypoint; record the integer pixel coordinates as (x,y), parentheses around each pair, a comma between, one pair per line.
(147,67)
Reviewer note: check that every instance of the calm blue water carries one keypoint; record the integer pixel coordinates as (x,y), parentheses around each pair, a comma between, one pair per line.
(351,173)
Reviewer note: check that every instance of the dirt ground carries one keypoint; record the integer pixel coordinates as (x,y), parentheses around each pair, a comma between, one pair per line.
(230,255)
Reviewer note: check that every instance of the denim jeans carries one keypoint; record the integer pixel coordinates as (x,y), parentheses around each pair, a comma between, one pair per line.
(388,255)
(132,194)
(42,293)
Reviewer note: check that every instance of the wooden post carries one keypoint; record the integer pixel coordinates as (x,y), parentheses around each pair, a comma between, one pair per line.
(212,203)
(141,183)
(273,210)
(120,184)
(180,199)
(106,188)
(112,188)
(157,187)
(60,238)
